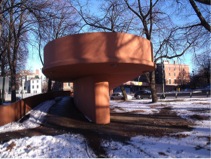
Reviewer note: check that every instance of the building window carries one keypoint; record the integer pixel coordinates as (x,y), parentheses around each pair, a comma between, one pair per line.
(174,74)
(37,81)
(175,81)
(169,81)
(37,86)
(32,86)
(169,74)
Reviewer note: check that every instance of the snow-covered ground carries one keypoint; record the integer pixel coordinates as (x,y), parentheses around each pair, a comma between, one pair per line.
(195,143)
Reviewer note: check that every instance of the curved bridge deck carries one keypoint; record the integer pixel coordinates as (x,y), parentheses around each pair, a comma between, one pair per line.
(96,63)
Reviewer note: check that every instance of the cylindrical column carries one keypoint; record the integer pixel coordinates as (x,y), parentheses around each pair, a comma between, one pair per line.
(102,109)
(91,96)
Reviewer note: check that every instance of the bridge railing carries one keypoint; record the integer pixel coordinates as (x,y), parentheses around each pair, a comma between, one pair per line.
(14,111)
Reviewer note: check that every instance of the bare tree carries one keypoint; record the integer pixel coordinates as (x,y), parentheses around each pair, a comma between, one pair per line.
(60,20)
(202,64)
(15,31)
(173,42)
(19,20)
(208,2)
(16,24)
(201,26)
(203,21)
(147,18)
(114,17)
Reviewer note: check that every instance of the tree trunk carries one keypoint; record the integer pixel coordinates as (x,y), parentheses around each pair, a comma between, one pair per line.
(3,81)
(13,87)
(49,85)
(153,87)
(124,93)
(3,90)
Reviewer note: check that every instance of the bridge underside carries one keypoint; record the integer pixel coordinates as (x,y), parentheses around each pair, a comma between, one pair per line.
(96,63)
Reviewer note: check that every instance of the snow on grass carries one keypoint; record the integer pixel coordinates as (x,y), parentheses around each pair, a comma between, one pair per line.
(132,106)
(36,117)
(195,143)
(65,146)
(156,147)
(188,107)
(151,147)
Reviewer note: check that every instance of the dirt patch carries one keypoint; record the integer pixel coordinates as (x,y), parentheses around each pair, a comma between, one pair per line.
(157,106)
(180,135)
(201,110)
(137,111)
(203,103)
(116,109)
(10,146)
(199,117)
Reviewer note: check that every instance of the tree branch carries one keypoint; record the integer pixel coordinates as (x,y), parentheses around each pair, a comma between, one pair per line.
(204,23)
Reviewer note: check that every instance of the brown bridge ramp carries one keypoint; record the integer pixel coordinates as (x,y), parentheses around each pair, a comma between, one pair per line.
(96,63)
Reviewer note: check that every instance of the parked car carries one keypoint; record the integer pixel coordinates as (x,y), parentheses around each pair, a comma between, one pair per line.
(206,90)
(119,96)
(188,90)
(142,94)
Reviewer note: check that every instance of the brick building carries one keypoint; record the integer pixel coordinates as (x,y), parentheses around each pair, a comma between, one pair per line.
(172,74)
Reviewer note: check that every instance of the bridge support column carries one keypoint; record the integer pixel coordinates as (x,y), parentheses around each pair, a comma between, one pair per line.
(91,96)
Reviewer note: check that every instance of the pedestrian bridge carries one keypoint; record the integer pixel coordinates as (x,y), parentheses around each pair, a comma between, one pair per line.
(96,63)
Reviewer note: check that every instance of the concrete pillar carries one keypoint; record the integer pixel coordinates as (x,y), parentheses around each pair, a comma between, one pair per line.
(91,96)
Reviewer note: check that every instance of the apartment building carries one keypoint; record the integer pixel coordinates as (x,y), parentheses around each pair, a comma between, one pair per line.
(34,85)
(172,74)
(29,82)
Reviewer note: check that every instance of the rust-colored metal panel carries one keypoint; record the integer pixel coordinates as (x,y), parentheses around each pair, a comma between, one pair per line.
(14,111)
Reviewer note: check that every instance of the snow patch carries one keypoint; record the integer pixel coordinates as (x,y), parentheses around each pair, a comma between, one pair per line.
(65,146)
